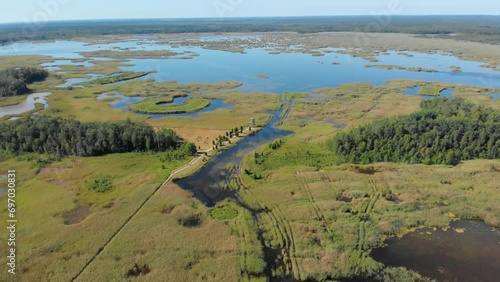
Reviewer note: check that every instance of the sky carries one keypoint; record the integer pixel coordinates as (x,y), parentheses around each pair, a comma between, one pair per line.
(48,10)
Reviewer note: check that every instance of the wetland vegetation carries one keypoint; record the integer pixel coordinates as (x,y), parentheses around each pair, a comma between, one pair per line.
(299,179)
(116,78)
(164,105)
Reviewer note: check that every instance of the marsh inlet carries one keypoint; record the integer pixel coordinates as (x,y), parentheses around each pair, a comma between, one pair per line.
(204,184)
(468,251)
(28,105)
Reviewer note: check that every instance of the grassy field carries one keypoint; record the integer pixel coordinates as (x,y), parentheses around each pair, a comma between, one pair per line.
(63,222)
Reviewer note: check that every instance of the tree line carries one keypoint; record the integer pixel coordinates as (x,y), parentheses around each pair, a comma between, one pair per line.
(471,28)
(68,137)
(444,131)
(14,81)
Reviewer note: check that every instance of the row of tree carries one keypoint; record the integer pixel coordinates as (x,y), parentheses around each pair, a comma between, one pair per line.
(69,137)
(234,132)
(445,131)
(14,81)
(471,28)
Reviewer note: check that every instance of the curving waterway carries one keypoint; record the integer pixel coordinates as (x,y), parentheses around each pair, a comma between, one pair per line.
(205,183)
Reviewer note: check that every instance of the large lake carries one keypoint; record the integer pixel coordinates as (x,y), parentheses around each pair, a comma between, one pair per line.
(287,71)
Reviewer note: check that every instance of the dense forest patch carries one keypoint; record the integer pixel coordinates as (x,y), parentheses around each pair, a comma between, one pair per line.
(14,81)
(69,137)
(445,131)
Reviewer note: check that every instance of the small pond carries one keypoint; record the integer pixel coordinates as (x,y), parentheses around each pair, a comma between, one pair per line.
(413,91)
(468,251)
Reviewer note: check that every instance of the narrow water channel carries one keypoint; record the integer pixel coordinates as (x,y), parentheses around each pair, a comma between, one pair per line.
(205,184)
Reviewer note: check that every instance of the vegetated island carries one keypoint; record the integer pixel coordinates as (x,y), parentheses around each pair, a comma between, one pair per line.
(14,81)
(117,78)
(445,131)
(163,105)
(396,67)
(139,54)
(262,76)
(430,90)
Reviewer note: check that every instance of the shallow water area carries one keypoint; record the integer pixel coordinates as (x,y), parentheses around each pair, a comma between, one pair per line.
(75,81)
(414,91)
(468,251)
(28,105)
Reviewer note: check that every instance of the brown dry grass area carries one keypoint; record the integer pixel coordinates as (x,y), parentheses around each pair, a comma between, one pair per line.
(202,138)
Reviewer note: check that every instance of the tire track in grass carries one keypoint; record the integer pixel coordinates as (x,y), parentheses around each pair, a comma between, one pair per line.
(365,216)
(305,187)
(295,270)
(284,235)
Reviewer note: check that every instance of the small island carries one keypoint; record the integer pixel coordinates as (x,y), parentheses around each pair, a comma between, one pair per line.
(430,90)
(262,76)
(164,105)
(396,67)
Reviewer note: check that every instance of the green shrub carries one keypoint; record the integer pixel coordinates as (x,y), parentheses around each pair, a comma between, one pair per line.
(100,183)
(224,212)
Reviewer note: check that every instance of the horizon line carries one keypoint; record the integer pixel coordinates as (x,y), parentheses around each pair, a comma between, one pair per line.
(251,17)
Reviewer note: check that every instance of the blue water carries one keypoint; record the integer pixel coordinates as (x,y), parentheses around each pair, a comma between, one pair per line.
(74,81)
(437,62)
(287,72)
(301,72)
(448,93)
(413,91)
